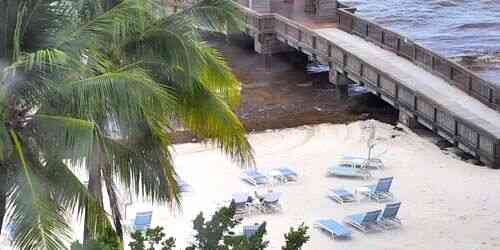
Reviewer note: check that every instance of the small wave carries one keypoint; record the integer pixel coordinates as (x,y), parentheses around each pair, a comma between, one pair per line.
(446,3)
(482,25)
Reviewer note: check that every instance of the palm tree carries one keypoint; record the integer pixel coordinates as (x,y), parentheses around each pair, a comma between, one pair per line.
(101,91)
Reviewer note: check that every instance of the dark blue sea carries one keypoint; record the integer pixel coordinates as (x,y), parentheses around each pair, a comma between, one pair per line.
(453,28)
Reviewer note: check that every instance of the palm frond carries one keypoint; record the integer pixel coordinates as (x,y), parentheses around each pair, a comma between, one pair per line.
(209,116)
(39,221)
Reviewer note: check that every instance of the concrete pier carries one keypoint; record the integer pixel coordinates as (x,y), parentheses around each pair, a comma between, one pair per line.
(426,88)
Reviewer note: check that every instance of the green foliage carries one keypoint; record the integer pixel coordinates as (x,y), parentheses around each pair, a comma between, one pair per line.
(107,241)
(210,233)
(151,239)
(98,87)
(295,239)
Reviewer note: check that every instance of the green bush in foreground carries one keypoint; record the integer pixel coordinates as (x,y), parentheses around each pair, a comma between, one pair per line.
(217,234)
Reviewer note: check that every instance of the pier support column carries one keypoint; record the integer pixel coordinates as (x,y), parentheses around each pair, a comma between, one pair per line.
(407,118)
(341,83)
(267,43)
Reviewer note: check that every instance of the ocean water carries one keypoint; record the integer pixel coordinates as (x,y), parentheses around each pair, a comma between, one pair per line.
(453,28)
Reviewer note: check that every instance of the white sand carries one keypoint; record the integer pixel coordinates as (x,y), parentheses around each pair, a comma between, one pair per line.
(447,203)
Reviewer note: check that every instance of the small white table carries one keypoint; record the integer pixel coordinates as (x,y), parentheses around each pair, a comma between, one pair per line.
(359,192)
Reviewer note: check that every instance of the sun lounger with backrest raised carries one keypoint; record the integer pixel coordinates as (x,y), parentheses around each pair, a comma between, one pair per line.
(143,220)
(365,222)
(336,229)
(254,177)
(389,217)
(341,195)
(381,192)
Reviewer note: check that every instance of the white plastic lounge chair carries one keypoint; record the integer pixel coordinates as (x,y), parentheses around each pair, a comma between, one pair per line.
(336,229)
(381,192)
(284,174)
(375,163)
(341,195)
(349,170)
(254,177)
(389,219)
(143,220)
(365,222)
(271,202)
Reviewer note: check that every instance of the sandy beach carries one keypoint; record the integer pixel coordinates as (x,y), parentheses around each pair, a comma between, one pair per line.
(446,203)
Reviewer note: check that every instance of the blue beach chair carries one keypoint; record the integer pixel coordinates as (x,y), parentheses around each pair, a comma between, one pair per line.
(254,177)
(389,218)
(336,229)
(365,222)
(341,195)
(143,220)
(285,174)
(381,192)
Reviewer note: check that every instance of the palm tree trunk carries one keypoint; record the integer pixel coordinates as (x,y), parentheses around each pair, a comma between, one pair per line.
(113,202)
(3,193)
(94,188)
(3,204)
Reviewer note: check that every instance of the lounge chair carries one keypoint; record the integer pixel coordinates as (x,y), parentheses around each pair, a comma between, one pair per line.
(341,195)
(336,229)
(380,192)
(254,177)
(389,218)
(375,163)
(284,174)
(143,220)
(241,202)
(271,202)
(365,222)
(349,170)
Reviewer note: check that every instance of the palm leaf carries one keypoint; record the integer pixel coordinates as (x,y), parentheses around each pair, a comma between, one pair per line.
(38,219)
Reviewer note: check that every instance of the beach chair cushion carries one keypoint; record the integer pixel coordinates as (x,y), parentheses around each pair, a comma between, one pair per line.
(391,211)
(255,177)
(342,195)
(383,185)
(363,220)
(334,228)
(286,172)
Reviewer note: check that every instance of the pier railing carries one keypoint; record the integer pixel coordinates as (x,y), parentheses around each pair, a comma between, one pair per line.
(452,72)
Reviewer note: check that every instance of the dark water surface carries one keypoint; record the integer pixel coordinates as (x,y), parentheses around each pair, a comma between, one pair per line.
(453,28)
